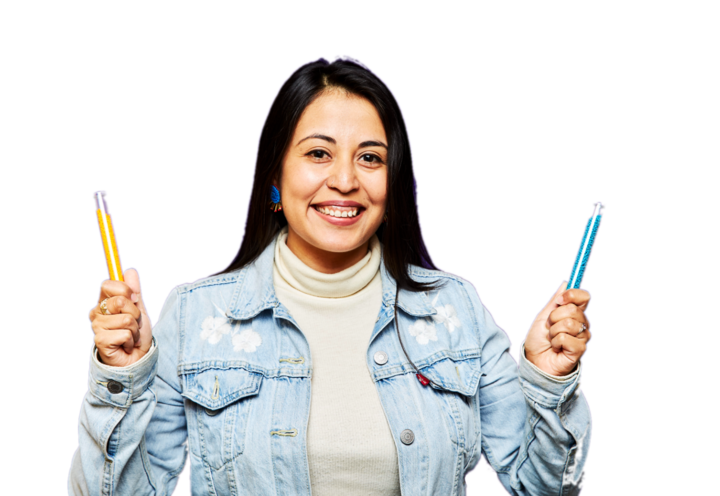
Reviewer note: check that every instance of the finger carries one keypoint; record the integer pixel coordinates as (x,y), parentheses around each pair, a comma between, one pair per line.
(569,326)
(578,296)
(133,279)
(119,322)
(569,311)
(112,342)
(569,345)
(551,305)
(120,304)
(111,288)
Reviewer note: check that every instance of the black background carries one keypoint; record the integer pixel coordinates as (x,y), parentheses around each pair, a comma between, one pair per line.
(506,160)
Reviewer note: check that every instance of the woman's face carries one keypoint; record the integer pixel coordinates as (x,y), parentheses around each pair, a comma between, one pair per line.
(333,185)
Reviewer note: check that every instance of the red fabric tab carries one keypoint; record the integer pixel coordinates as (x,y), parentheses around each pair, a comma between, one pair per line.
(423,380)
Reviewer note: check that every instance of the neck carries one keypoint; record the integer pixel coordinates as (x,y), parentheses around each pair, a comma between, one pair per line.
(327,262)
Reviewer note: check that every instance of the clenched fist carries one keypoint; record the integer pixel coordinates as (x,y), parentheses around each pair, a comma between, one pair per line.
(123,335)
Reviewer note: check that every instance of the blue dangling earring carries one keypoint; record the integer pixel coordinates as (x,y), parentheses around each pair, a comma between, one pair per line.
(275,204)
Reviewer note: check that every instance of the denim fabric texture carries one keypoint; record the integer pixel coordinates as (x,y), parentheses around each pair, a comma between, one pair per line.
(228,384)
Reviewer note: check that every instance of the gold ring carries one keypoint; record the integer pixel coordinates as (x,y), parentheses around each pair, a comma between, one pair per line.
(104,308)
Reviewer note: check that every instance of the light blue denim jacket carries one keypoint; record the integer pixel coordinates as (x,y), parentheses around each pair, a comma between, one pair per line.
(228,381)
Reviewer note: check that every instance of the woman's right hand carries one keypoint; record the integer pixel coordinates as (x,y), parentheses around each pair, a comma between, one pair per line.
(125,336)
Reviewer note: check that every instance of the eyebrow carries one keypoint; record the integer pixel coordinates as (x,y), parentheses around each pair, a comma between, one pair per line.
(364,144)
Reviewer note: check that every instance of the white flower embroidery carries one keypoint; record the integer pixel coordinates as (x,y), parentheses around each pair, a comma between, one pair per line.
(447,315)
(248,340)
(423,331)
(214,328)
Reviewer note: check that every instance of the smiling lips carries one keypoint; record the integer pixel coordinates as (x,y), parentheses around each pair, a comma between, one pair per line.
(342,215)
(336,211)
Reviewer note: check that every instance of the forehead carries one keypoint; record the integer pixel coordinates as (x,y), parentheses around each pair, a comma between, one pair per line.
(337,113)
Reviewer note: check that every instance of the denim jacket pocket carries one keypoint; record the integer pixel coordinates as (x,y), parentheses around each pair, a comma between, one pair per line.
(456,378)
(218,411)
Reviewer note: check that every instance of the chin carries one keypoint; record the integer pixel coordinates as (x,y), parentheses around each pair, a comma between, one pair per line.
(339,243)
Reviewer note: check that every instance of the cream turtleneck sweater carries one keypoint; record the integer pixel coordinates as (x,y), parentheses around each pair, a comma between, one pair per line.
(349,444)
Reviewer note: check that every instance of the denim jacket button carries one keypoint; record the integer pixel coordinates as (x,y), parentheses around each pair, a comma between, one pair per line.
(211,413)
(115,387)
(380,357)
(407,437)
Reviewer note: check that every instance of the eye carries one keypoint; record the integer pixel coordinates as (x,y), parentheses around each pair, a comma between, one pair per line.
(371,158)
(317,154)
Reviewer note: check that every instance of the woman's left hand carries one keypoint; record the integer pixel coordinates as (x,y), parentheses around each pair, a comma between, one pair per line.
(559,335)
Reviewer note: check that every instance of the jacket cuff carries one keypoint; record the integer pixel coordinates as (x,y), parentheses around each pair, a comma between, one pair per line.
(120,386)
(544,389)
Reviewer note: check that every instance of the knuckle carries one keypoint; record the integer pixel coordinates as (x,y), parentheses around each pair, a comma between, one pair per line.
(118,301)
(127,320)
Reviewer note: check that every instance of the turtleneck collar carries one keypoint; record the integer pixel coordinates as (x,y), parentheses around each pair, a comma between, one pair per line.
(337,285)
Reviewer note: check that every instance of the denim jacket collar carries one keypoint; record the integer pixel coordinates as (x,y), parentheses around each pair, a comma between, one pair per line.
(254,291)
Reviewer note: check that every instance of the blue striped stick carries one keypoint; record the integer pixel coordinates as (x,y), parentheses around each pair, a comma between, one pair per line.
(586,246)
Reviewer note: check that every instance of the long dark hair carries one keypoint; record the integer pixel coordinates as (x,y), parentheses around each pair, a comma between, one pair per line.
(400,235)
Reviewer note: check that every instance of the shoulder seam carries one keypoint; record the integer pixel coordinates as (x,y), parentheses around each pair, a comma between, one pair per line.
(218,280)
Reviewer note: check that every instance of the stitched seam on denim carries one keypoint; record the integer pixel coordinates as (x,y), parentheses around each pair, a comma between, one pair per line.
(229,428)
(458,421)
(458,468)
(537,396)
(568,469)
(146,463)
(197,368)
(491,458)
(106,480)
(173,474)
(571,460)
(209,281)
(115,418)
(226,399)
(534,420)
(230,471)
(455,356)
(474,379)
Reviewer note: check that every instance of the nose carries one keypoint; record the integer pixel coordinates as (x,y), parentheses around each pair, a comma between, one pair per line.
(342,176)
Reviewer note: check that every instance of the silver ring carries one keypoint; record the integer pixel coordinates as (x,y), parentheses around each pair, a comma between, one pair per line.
(104,308)
(584,328)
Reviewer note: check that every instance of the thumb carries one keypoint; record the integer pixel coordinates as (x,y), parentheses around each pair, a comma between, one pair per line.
(552,304)
(132,279)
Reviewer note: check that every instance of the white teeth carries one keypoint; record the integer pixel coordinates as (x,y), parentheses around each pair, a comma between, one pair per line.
(337,213)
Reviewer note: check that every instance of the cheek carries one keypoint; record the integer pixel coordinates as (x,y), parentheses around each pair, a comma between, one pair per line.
(299,184)
(376,188)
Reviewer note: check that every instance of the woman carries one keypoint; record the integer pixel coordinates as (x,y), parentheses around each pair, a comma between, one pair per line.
(331,356)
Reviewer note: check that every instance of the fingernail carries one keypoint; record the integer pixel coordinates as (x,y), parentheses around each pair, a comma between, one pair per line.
(134,297)
(560,300)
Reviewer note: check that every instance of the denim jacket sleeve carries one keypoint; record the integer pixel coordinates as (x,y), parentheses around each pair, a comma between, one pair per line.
(535,427)
(133,441)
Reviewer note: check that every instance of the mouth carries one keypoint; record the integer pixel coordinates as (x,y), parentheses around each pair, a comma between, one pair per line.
(338,211)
